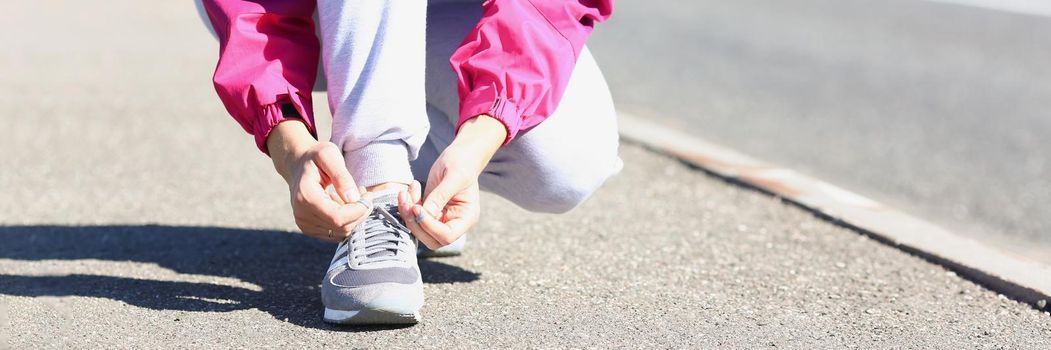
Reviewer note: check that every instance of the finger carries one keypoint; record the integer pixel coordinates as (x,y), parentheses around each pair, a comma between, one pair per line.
(437,232)
(333,194)
(459,219)
(465,215)
(439,196)
(458,227)
(349,228)
(313,197)
(330,161)
(324,236)
(332,214)
(405,207)
(308,227)
(308,196)
(311,222)
(405,204)
(345,215)
(415,191)
(308,203)
(318,232)
(313,227)
(353,213)
(406,200)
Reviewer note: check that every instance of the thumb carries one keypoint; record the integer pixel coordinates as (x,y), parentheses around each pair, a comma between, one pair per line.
(440,195)
(330,161)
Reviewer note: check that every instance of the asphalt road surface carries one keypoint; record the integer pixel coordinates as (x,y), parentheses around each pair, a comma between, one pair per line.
(939,109)
(135,214)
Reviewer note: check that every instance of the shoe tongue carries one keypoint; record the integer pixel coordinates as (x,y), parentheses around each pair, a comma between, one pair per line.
(386,200)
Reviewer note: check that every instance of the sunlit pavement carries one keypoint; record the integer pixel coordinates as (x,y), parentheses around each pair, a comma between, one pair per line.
(137,214)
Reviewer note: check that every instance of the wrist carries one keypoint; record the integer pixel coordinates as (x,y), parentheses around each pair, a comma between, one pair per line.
(482,135)
(286,142)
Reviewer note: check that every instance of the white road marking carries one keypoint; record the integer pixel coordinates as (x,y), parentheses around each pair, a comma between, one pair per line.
(1028,7)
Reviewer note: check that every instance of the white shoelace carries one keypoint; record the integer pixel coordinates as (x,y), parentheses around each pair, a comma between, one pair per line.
(381,238)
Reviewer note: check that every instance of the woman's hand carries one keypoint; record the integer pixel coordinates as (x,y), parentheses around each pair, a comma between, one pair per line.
(451,208)
(324,195)
(450,204)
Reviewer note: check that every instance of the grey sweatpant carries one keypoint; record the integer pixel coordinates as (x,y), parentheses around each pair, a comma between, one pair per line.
(394,102)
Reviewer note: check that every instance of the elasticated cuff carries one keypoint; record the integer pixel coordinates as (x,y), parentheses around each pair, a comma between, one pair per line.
(485,101)
(272,114)
(379,162)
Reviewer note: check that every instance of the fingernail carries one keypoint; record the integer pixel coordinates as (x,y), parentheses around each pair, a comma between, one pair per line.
(352,196)
(418,211)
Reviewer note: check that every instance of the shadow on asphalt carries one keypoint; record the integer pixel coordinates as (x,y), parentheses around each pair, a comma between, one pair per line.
(287,267)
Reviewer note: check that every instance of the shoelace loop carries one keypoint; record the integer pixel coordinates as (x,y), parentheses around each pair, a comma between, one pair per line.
(382,237)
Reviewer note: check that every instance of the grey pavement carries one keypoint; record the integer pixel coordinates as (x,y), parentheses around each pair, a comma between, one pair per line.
(135,213)
(938,109)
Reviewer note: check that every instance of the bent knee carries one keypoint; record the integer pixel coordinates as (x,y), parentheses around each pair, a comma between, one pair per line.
(558,196)
(559,200)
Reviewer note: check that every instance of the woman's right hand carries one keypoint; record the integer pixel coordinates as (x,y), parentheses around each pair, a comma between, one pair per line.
(324,195)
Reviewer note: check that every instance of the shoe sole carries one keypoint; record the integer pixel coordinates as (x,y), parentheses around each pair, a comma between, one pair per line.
(370,317)
(438,254)
(454,249)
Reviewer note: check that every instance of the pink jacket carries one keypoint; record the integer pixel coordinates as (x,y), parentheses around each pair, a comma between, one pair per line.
(514,65)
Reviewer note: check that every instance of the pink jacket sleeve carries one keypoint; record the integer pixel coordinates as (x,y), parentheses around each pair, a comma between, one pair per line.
(268,58)
(515,64)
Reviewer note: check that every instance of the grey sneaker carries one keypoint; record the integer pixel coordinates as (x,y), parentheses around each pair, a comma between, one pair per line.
(453,249)
(373,277)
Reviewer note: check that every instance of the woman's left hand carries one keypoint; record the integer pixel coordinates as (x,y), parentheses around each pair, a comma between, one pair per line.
(450,204)
(451,208)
